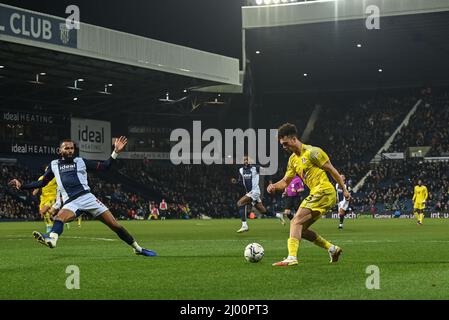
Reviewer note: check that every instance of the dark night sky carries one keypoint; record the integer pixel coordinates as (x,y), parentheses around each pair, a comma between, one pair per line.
(209,25)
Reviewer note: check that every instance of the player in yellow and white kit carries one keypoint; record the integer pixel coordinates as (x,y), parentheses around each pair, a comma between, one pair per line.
(310,164)
(47,199)
(420,196)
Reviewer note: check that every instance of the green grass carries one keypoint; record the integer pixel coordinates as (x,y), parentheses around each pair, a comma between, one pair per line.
(203,259)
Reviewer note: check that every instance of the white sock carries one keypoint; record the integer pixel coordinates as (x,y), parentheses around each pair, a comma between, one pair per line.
(54,236)
(137,247)
(292,258)
(244,224)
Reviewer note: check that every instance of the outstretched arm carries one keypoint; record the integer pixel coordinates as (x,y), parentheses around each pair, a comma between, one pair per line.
(337,177)
(280,185)
(290,173)
(119,145)
(36,191)
(46,178)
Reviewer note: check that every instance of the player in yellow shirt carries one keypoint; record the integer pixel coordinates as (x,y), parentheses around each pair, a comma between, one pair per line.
(310,164)
(47,199)
(420,195)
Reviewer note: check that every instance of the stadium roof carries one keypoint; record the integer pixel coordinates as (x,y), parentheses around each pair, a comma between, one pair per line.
(410,50)
(94,71)
(133,88)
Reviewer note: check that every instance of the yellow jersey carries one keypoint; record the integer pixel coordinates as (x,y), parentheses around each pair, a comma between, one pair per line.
(420,194)
(308,166)
(49,191)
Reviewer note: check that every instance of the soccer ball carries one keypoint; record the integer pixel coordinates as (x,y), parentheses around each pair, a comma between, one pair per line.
(253,252)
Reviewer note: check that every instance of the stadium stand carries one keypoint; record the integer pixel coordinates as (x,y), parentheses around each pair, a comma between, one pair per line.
(14,204)
(428,126)
(351,137)
(351,134)
(205,189)
(23,205)
(390,185)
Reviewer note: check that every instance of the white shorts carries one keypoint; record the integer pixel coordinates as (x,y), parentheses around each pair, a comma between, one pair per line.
(255,196)
(344,204)
(86,203)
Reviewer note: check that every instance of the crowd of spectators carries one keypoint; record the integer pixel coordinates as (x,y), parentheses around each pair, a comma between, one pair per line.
(390,186)
(205,189)
(427,127)
(16,204)
(10,208)
(352,135)
(122,203)
(13,203)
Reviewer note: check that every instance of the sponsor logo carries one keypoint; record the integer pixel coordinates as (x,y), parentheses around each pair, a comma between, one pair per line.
(34,149)
(87,135)
(67,167)
(440,215)
(27,117)
(93,138)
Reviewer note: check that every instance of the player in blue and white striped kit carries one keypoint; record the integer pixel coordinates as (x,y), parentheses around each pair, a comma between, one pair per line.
(249,175)
(71,178)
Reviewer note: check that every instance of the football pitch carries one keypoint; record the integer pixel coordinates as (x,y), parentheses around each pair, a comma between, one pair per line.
(203,259)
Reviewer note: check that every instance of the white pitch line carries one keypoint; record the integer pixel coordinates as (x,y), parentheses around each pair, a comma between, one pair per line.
(88,238)
(21,237)
(277,240)
(15,237)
